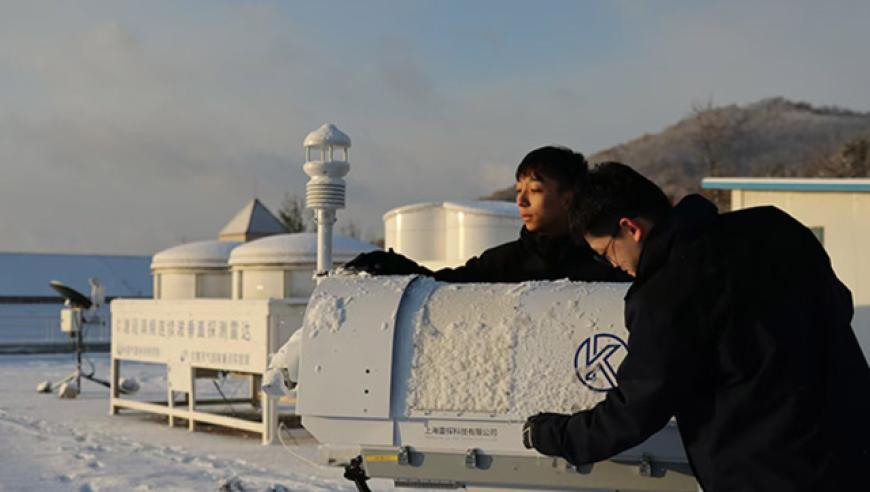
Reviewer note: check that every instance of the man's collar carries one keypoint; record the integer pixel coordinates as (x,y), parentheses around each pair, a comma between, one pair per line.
(548,246)
(688,218)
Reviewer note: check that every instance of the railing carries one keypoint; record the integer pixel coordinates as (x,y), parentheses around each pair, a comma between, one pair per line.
(30,327)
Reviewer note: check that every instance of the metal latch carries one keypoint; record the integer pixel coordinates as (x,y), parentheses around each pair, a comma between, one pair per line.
(471,458)
(404,455)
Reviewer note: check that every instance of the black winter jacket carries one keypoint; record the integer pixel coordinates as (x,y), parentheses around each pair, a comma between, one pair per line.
(533,257)
(739,328)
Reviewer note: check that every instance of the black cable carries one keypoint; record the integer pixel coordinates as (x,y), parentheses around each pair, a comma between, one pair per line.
(87,359)
(93,369)
(227,401)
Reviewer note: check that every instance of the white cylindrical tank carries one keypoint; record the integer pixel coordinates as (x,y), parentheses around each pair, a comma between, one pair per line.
(466,351)
(473,227)
(282,266)
(193,270)
(447,234)
(416,231)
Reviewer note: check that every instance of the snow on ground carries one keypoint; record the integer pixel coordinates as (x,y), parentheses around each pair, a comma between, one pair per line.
(48,444)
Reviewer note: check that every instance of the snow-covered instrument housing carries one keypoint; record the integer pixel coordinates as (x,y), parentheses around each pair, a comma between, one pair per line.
(433,381)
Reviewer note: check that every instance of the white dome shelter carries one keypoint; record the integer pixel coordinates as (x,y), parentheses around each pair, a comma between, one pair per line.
(282,266)
(193,270)
(447,234)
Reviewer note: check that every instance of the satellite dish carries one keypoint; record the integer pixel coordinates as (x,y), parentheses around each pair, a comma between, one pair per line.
(76,299)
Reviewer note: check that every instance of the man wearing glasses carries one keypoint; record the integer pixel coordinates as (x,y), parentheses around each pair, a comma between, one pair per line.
(739,328)
(545,184)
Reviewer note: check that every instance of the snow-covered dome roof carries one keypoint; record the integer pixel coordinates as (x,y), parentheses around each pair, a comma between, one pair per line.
(201,254)
(295,249)
(327,134)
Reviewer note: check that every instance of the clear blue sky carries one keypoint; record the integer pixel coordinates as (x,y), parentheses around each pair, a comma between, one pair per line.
(156,121)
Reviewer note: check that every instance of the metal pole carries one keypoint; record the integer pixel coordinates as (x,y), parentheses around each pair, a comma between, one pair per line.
(325,220)
(79,359)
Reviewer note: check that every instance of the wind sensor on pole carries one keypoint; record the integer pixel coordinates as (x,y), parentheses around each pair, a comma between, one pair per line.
(78,314)
(326,163)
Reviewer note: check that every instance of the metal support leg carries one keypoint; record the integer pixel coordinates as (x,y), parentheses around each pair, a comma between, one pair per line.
(170,402)
(114,377)
(252,389)
(269,409)
(191,401)
(79,361)
(256,383)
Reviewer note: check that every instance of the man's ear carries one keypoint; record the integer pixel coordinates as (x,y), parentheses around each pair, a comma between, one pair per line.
(636,229)
(566,198)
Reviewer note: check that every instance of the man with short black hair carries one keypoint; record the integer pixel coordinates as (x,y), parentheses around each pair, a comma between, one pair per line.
(739,328)
(546,180)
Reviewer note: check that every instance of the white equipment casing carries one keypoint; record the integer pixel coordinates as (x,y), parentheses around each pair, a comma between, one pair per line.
(409,362)
(70,320)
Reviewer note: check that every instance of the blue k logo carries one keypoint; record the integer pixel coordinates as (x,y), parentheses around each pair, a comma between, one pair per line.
(597,359)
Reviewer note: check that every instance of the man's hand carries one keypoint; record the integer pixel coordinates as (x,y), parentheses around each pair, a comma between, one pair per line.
(527,434)
(539,430)
(385,263)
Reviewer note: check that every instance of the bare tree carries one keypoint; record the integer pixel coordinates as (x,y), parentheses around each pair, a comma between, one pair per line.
(293,214)
(717,129)
(851,161)
(350,228)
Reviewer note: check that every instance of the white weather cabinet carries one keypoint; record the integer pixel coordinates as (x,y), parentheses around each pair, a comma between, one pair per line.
(196,338)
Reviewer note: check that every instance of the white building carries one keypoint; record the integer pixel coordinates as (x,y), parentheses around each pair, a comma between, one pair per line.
(447,234)
(836,210)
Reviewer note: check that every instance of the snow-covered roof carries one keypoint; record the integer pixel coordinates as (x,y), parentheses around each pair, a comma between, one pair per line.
(327,134)
(253,221)
(295,249)
(201,254)
(789,184)
(404,209)
(28,274)
(481,207)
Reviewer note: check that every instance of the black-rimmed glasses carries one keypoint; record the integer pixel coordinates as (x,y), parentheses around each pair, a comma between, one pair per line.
(602,257)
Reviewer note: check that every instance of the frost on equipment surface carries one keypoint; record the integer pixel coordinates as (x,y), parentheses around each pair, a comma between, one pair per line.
(433,381)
